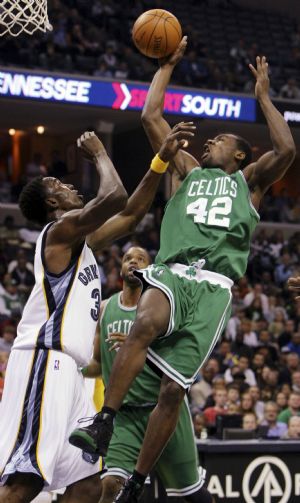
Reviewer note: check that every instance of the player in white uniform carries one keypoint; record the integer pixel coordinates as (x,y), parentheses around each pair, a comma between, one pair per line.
(44,394)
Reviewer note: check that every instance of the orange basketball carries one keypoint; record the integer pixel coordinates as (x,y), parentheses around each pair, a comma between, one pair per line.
(156,33)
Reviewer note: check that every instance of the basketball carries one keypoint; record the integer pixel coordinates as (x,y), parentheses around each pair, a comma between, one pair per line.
(156,33)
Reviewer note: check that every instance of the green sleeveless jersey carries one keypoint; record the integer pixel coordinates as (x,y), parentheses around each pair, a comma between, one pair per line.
(210,217)
(117,318)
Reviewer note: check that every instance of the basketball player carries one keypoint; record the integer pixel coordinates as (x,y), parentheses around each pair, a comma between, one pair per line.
(177,466)
(44,395)
(205,240)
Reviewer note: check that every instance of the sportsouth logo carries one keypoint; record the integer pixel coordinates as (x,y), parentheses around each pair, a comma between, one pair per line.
(268,479)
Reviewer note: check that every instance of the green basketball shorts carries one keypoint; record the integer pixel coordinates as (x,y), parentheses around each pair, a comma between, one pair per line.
(200,306)
(178,465)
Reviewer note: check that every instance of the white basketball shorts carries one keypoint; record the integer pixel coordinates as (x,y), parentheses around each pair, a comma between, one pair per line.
(43,398)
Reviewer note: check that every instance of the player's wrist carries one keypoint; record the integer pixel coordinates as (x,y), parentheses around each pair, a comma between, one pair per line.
(158,165)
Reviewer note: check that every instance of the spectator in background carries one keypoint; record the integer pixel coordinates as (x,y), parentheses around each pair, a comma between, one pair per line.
(293,431)
(290,90)
(242,367)
(203,388)
(234,323)
(223,355)
(296,381)
(247,403)
(249,336)
(11,304)
(8,336)
(257,292)
(281,401)
(219,408)
(23,277)
(293,408)
(276,327)
(294,345)
(198,423)
(284,270)
(292,364)
(257,402)
(20,255)
(264,340)
(286,336)
(276,428)
(239,348)
(233,395)
(249,421)
(8,231)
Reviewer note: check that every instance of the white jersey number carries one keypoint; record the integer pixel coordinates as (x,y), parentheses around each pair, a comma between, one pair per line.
(215,215)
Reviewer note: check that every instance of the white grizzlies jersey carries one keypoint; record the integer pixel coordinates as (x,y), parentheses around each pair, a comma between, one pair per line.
(63,309)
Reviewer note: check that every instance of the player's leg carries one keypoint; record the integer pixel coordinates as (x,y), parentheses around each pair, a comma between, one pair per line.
(161,425)
(178,466)
(21,488)
(87,490)
(111,486)
(153,315)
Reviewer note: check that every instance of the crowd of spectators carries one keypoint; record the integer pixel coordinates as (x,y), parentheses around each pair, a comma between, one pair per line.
(254,371)
(223,38)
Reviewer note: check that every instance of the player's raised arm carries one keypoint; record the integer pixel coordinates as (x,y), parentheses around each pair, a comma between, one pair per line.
(156,127)
(271,166)
(73,226)
(139,203)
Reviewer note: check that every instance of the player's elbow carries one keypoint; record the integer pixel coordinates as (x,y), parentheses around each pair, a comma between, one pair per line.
(149,117)
(288,153)
(118,197)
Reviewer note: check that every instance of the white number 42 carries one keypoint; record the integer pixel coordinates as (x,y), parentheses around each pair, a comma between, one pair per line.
(215,215)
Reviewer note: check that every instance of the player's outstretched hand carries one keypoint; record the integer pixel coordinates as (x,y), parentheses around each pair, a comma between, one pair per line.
(176,56)
(262,77)
(90,144)
(176,139)
(116,339)
(294,285)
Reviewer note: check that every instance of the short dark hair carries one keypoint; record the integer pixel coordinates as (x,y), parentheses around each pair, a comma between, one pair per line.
(32,201)
(245,147)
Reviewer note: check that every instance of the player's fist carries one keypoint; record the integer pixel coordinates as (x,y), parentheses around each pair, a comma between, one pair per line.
(294,285)
(90,144)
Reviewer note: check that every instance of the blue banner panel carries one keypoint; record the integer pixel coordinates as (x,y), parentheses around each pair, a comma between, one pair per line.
(124,96)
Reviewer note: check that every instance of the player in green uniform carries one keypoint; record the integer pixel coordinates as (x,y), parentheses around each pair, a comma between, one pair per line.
(177,466)
(205,240)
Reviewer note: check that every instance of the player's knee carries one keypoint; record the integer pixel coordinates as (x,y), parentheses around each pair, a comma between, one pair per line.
(171,395)
(110,488)
(86,490)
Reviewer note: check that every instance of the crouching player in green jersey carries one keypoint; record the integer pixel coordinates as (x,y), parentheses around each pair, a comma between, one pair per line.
(178,465)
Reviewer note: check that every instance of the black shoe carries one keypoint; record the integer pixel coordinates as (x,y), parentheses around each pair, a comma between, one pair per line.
(94,438)
(130,493)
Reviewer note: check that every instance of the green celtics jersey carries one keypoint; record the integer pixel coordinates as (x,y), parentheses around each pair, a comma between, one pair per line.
(118,318)
(210,217)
